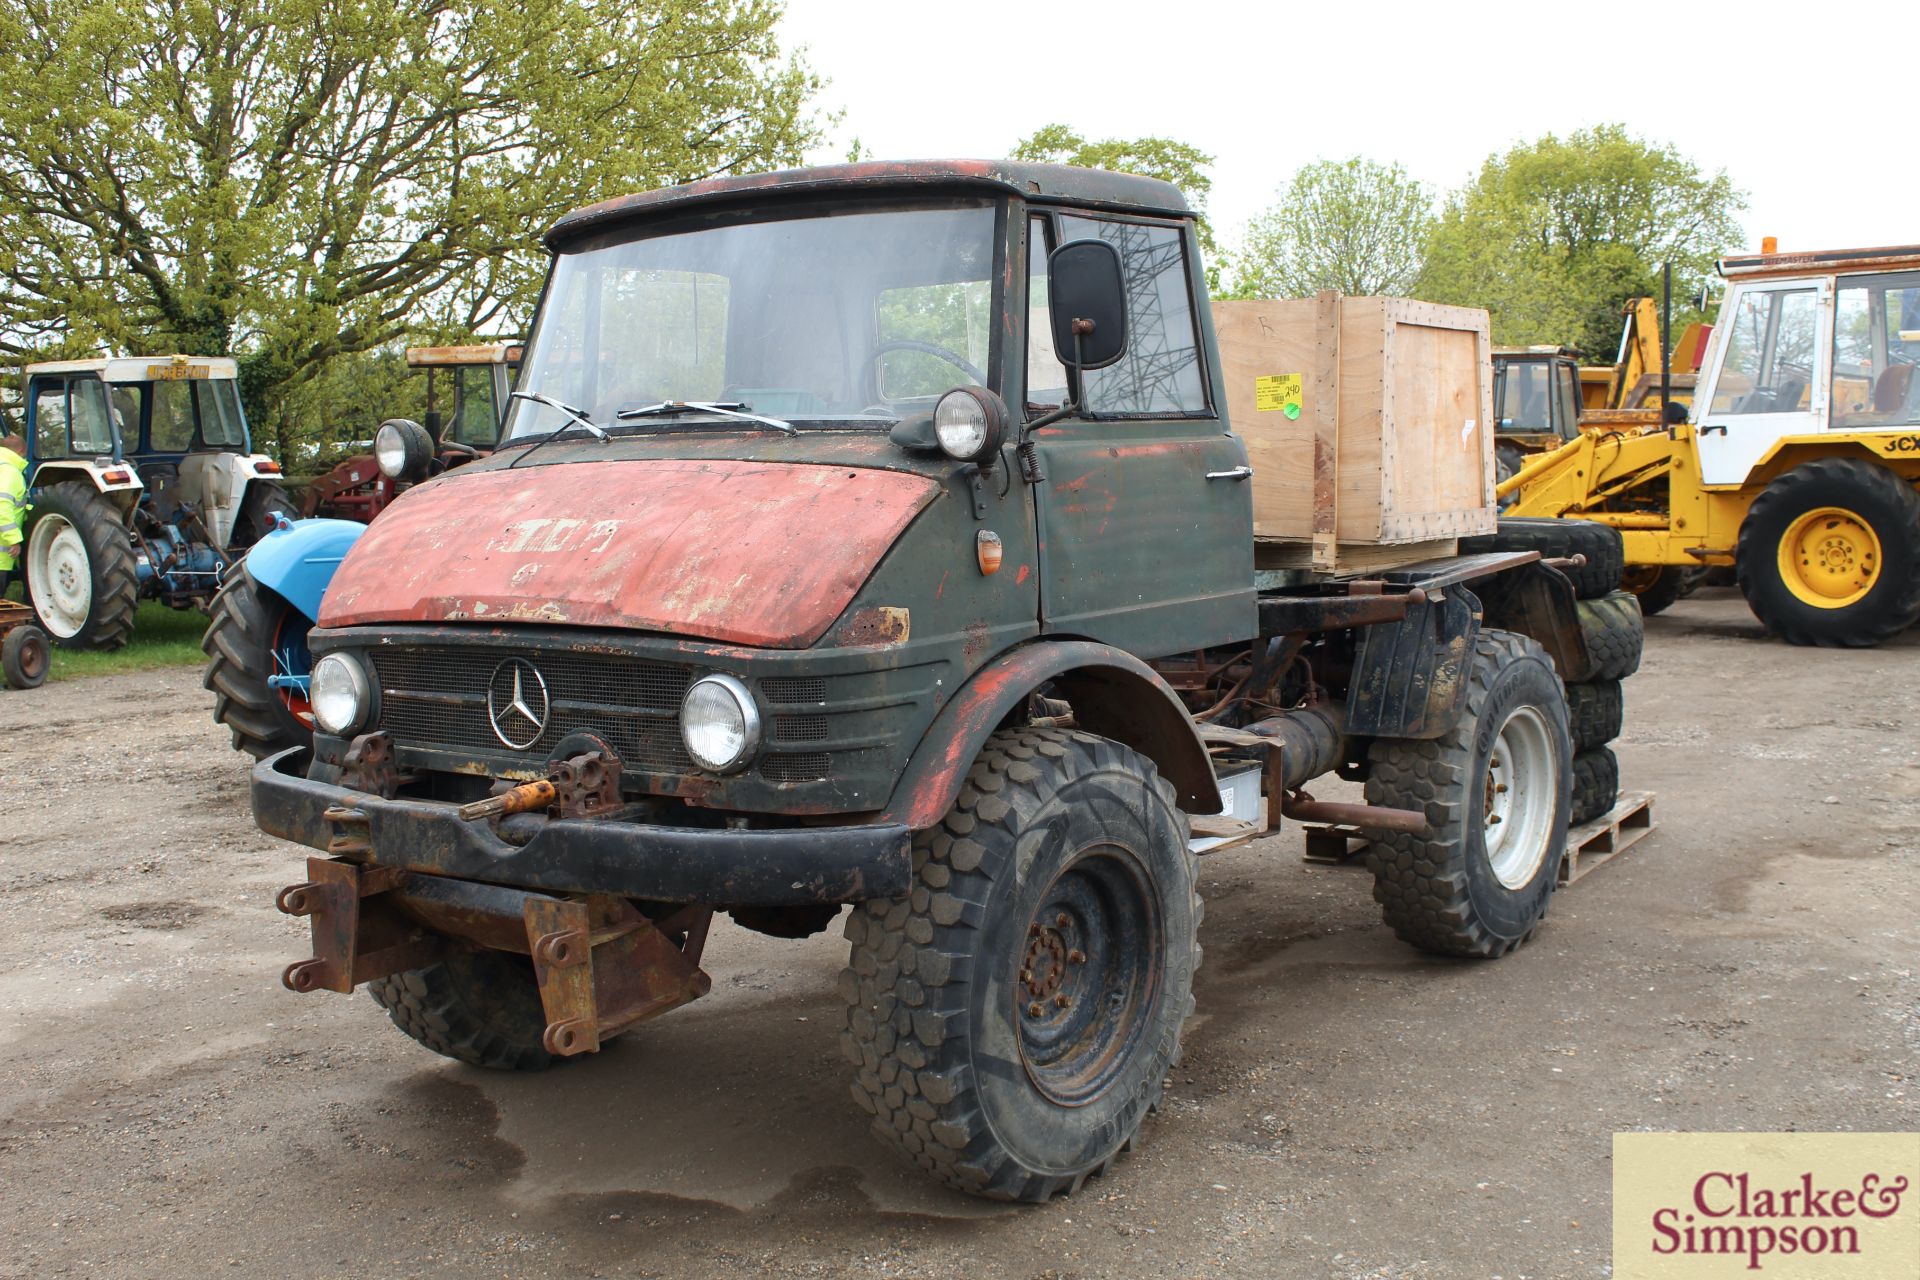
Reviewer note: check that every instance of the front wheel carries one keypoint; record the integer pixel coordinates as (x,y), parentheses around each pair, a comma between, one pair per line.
(258,667)
(1012,1020)
(81,579)
(1829,554)
(1496,795)
(1656,586)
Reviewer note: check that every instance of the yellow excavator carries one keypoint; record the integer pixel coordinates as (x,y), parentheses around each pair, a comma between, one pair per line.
(1797,461)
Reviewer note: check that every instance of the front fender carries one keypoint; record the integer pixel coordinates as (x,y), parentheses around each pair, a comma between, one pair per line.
(1113,693)
(297,562)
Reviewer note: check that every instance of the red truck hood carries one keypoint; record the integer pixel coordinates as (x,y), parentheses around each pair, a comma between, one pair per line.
(756,553)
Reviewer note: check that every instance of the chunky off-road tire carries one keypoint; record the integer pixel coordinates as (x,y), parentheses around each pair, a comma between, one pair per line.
(1596,784)
(1596,713)
(1655,586)
(25,657)
(1560,539)
(1616,637)
(1829,554)
(481,1007)
(265,499)
(79,568)
(1457,890)
(1011,1021)
(250,625)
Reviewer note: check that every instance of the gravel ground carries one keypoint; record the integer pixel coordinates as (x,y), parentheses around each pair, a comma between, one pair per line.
(1347,1108)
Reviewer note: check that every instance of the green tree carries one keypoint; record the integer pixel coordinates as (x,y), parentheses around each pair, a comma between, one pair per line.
(1163,158)
(1555,235)
(298,181)
(1351,225)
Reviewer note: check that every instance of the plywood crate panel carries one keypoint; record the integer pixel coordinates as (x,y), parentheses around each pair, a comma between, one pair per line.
(1388,451)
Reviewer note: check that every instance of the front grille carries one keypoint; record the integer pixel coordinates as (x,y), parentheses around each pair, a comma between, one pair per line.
(791,689)
(799,728)
(437,696)
(811,766)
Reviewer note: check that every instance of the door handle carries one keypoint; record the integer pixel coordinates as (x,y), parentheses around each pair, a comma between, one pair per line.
(1721,427)
(1238,473)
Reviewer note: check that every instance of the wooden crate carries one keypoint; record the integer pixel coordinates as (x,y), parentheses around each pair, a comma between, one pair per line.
(1369,424)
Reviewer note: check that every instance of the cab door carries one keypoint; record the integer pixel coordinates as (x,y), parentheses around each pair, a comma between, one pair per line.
(1145,508)
(1769,376)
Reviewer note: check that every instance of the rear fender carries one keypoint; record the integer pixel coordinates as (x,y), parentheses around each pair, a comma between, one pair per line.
(1538,600)
(118,482)
(1113,693)
(297,562)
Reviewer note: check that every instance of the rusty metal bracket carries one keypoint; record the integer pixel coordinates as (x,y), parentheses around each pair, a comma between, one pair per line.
(370,766)
(355,940)
(602,967)
(585,786)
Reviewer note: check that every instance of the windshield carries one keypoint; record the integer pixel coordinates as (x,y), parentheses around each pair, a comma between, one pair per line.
(849,319)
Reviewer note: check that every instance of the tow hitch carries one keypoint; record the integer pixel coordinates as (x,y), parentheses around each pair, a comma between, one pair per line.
(602,966)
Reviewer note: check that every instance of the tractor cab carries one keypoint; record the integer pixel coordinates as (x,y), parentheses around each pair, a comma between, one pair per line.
(467,389)
(1536,396)
(145,485)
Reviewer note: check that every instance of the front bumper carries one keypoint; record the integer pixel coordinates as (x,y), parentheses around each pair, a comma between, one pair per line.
(787,866)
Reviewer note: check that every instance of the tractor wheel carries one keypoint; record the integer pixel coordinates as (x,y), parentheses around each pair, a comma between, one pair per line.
(1616,637)
(1829,554)
(480,1007)
(81,579)
(265,499)
(1657,586)
(254,634)
(1495,789)
(1596,713)
(1596,784)
(1013,1019)
(1560,539)
(25,656)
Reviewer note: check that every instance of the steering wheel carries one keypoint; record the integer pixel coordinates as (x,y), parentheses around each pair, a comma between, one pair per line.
(953,358)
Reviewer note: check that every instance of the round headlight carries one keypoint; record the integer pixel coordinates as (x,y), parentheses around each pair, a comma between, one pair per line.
(719,723)
(338,693)
(402,449)
(969,423)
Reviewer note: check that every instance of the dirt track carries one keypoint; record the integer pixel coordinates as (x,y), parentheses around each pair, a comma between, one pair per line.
(1347,1108)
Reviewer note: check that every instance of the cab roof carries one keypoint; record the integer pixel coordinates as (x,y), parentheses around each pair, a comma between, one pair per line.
(143,368)
(1039,183)
(476,353)
(1820,262)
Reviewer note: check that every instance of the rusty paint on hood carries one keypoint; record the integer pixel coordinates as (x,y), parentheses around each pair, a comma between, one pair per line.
(754,553)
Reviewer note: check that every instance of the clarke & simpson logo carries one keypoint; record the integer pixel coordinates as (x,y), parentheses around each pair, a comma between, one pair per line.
(1782,1205)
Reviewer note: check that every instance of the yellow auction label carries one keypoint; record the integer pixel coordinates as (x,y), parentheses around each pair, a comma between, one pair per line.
(1792,1206)
(1278,393)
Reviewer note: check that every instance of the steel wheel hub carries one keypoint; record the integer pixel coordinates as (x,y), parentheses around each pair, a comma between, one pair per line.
(1522,793)
(59,577)
(1829,558)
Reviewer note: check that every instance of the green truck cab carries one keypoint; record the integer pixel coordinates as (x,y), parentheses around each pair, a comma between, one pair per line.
(876,535)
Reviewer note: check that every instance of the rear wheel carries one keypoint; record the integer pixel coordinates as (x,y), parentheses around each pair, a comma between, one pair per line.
(257,661)
(265,499)
(1495,792)
(1829,554)
(480,1007)
(81,579)
(1012,1020)
(25,657)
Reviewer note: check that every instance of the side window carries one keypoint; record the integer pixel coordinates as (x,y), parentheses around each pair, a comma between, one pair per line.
(1523,397)
(220,422)
(1769,362)
(1046,376)
(1876,344)
(88,405)
(50,420)
(1160,372)
(476,418)
(1567,384)
(171,430)
(124,400)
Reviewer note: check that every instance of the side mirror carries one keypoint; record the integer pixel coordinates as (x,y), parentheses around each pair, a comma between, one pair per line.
(1675,414)
(1087,299)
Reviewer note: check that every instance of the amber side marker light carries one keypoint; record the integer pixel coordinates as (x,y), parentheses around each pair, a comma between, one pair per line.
(987,549)
(1769,244)
(267,467)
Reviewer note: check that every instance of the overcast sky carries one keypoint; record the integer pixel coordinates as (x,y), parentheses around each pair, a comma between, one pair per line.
(1785,99)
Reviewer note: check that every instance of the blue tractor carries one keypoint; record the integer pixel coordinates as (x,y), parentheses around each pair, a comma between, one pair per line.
(144,485)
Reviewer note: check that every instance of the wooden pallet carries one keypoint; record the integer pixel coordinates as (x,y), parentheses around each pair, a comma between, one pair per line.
(1588,845)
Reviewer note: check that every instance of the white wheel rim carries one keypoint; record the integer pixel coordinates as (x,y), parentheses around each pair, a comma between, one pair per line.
(1522,792)
(59,576)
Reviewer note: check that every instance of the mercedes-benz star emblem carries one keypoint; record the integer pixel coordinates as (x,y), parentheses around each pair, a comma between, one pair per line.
(517,703)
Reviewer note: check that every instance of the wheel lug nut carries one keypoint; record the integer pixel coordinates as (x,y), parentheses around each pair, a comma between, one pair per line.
(1062,920)
(1493,819)
(1076,956)
(1499,788)
(1060,1001)
(1035,1009)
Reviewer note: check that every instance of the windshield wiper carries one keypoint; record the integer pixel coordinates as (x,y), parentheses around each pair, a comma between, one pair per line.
(578,415)
(725,408)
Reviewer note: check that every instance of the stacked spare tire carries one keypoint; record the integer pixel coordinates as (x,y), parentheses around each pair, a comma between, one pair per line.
(1615,635)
